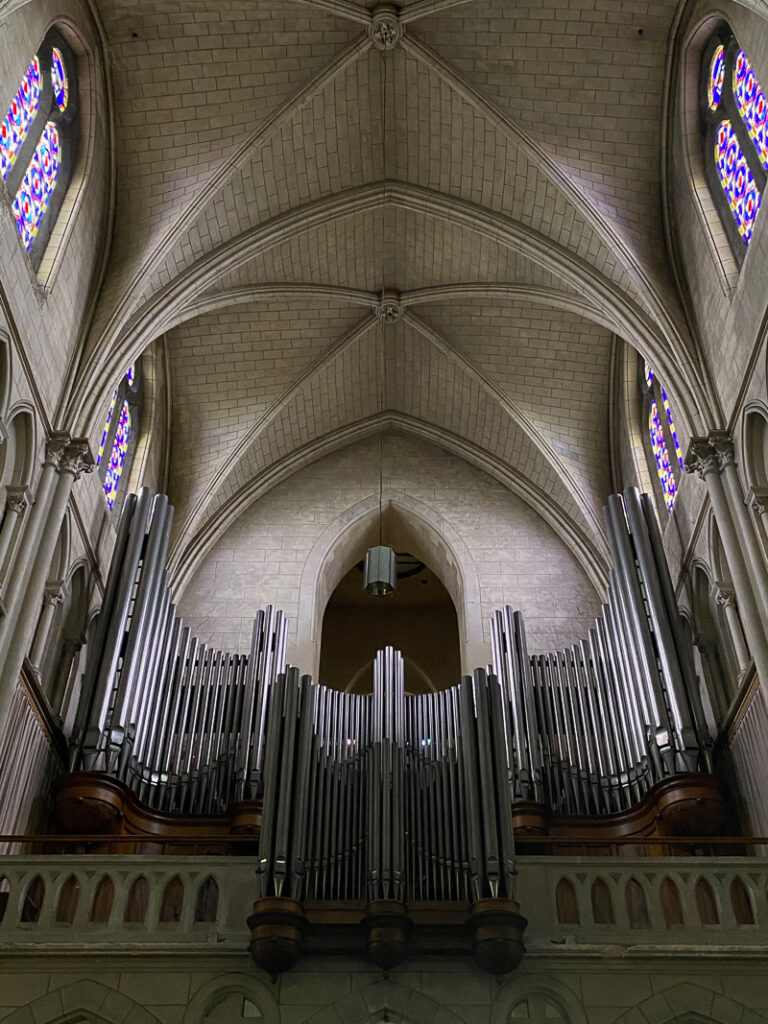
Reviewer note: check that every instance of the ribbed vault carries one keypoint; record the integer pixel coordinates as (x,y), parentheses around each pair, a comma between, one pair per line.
(498,170)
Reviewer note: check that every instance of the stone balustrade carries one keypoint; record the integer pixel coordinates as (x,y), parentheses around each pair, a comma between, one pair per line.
(569,901)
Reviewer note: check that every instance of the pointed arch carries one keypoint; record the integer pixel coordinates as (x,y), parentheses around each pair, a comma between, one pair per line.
(711,1007)
(85,998)
(216,991)
(434,540)
(566,903)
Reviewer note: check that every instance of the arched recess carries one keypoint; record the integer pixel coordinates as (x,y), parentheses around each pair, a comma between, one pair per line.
(523,987)
(17,458)
(629,429)
(689,1003)
(754,463)
(419,619)
(428,536)
(711,665)
(63,656)
(215,993)
(685,80)
(5,376)
(82,1001)
(754,445)
(91,81)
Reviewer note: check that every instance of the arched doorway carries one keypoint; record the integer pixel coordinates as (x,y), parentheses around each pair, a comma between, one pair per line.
(419,619)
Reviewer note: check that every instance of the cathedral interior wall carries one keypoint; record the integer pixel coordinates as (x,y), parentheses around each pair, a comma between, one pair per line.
(186,990)
(516,556)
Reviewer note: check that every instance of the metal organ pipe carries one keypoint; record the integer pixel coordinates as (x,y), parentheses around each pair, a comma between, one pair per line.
(394,797)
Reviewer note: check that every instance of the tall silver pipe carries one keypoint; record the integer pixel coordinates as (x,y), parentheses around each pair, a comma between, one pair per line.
(682,719)
(99,719)
(98,653)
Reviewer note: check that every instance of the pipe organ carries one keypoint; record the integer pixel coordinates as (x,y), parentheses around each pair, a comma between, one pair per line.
(394,799)
(596,725)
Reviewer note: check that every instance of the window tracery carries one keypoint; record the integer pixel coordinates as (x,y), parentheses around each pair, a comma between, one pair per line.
(735,136)
(38,139)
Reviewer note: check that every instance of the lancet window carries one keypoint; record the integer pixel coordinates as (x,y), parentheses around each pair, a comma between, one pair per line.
(38,140)
(119,435)
(735,136)
(664,445)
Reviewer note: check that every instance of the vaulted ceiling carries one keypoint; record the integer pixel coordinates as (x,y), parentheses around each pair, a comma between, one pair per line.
(496,172)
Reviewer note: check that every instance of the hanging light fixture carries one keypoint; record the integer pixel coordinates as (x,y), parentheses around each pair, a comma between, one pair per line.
(380,570)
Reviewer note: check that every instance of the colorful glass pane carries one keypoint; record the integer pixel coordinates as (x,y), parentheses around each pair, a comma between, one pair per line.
(750,99)
(736,179)
(20,116)
(36,189)
(131,375)
(716,78)
(59,79)
(672,429)
(648,375)
(117,458)
(105,431)
(660,454)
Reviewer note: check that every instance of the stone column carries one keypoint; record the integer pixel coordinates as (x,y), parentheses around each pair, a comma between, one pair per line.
(754,556)
(726,599)
(17,501)
(702,458)
(66,459)
(53,598)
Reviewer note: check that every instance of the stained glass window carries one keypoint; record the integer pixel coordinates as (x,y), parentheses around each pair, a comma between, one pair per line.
(736,180)
(117,458)
(661,455)
(117,444)
(672,429)
(20,116)
(736,127)
(59,79)
(37,142)
(750,99)
(36,189)
(105,432)
(663,436)
(716,77)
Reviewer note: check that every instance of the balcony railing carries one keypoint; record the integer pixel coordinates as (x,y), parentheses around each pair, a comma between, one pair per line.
(570,902)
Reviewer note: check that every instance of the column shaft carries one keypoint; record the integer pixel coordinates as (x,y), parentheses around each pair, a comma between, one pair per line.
(702,458)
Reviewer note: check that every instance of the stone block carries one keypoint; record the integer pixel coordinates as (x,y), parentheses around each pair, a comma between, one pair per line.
(150,987)
(312,987)
(615,990)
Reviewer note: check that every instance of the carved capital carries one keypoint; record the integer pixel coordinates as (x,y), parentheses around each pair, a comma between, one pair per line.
(701,457)
(18,500)
(726,596)
(385,28)
(722,443)
(55,447)
(53,597)
(76,458)
(757,499)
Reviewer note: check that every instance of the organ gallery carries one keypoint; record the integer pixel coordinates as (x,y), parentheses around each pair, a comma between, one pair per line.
(383,537)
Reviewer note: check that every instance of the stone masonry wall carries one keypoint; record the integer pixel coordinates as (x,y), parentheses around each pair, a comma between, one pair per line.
(516,557)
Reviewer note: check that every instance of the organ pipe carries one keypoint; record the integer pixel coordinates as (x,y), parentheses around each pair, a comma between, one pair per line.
(392,797)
